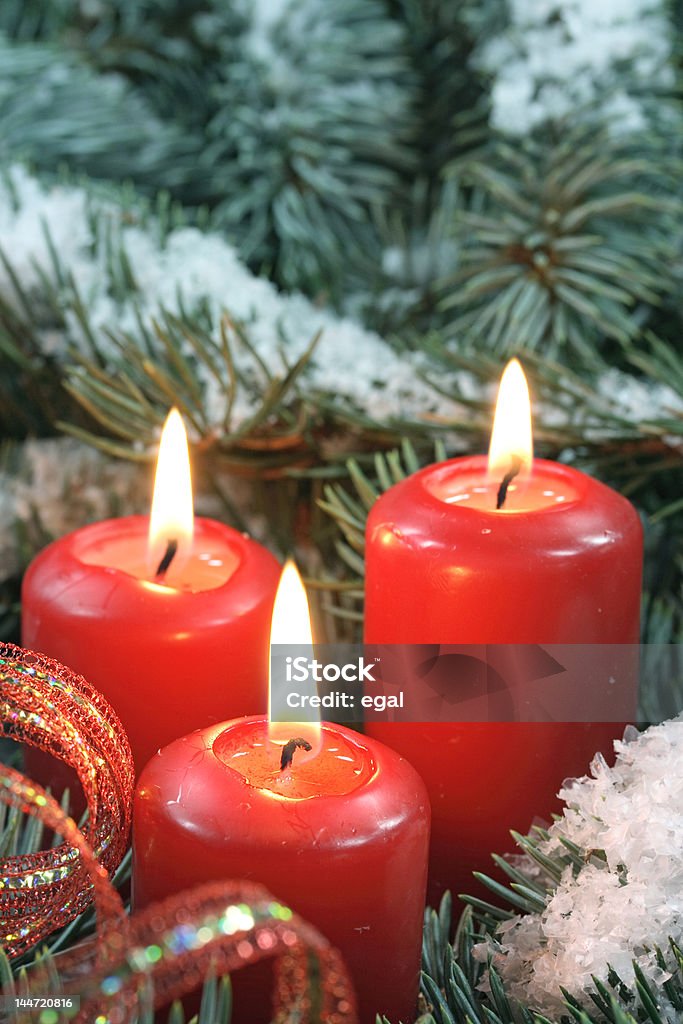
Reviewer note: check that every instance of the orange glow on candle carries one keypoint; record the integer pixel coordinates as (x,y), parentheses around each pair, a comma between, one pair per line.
(511,437)
(291,624)
(172,517)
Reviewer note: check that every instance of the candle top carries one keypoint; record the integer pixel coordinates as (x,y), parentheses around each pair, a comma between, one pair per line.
(121,545)
(468,483)
(337,766)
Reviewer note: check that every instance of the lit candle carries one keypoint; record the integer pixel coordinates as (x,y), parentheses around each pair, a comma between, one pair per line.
(167,615)
(332,823)
(510,551)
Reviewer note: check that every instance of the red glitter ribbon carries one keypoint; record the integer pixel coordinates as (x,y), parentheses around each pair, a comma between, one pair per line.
(47,706)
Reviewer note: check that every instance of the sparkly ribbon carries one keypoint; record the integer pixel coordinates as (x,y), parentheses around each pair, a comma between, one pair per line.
(47,706)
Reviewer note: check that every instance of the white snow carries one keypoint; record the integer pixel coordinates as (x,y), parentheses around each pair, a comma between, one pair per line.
(619,909)
(559,54)
(350,363)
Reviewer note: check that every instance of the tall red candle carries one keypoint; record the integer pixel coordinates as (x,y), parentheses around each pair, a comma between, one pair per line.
(341,836)
(171,650)
(560,562)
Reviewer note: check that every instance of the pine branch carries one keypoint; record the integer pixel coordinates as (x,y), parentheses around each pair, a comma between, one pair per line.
(130,403)
(297,153)
(452,103)
(554,919)
(57,111)
(612,67)
(29,20)
(290,143)
(398,291)
(70,293)
(349,510)
(459,986)
(563,249)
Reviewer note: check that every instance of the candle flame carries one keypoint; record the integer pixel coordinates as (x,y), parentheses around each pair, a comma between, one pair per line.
(511,437)
(172,517)
(291,624)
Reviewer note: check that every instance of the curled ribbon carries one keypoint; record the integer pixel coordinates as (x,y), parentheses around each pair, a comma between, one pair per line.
(49,707)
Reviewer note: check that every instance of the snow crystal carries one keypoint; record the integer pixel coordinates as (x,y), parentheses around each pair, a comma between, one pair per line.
(56,485)
(638,400)
(559,54)
(617,909)
(195,268)
(265,15)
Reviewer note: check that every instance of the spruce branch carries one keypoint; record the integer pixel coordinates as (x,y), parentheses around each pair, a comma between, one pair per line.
(297,153)
(460,986)
(129,401)
(290,128)
(57,111)
(348,505)
(398,290)
(562,249)
(451,100)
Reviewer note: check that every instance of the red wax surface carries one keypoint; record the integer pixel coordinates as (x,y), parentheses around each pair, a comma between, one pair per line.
(538,571)
(171,656)
(341,836)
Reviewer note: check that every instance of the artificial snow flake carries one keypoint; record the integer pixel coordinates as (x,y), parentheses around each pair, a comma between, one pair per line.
(52,486)
(557,55)
(189,270)
(194,269)
(617,909)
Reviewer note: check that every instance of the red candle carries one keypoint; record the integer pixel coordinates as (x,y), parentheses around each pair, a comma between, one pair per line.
(171,647)
(341,837)
(559,562)
(340,833)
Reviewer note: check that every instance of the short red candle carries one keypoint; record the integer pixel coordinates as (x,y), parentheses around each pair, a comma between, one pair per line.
(341,836)
(559,563)
(168,656)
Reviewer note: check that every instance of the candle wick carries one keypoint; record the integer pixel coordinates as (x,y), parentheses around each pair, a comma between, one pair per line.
(288,751)
(515,466)
(169,555)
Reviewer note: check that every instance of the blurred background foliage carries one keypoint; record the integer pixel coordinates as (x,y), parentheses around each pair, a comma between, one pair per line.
(392,161)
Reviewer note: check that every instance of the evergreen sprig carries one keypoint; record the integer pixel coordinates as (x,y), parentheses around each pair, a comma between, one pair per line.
(563,248)
(451,96)
(460,987)
(56,111)
(289,127)
(568,248)
(307,139)
(162,370)
(349,512)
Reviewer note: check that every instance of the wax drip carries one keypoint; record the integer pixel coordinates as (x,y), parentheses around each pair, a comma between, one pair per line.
(169,555)
(515,466)
(289,748)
